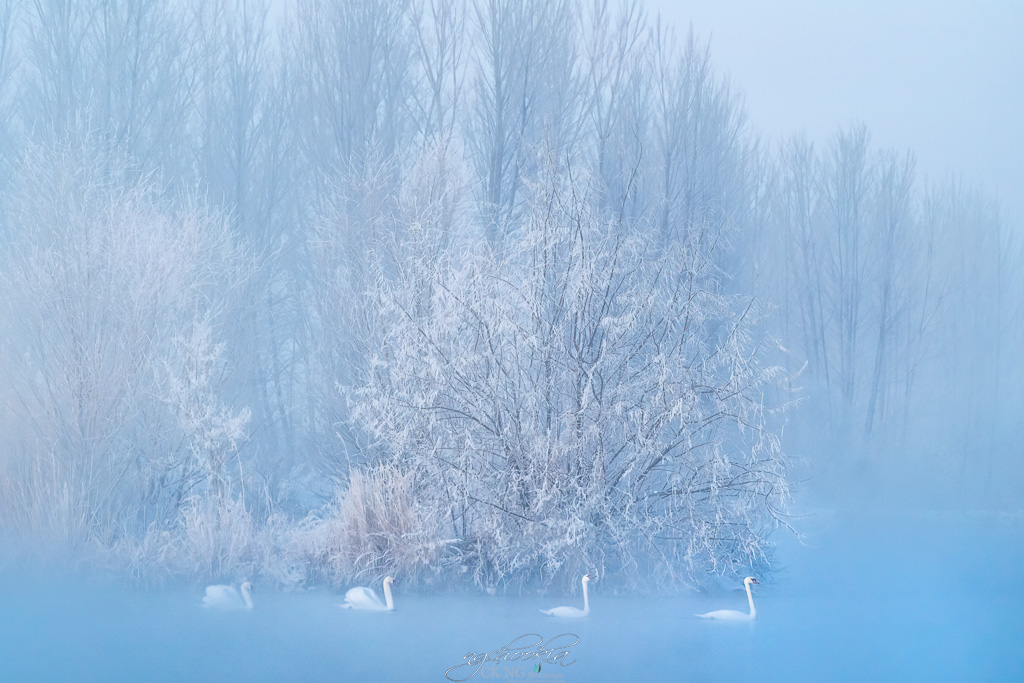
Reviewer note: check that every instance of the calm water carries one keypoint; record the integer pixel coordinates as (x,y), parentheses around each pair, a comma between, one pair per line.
(928,598)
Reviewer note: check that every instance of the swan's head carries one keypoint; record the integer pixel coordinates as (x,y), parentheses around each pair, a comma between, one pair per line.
(388,580)
(749,580)
(246,585)
(586,578)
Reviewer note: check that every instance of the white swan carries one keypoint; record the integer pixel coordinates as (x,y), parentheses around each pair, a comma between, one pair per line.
(362,597)
(731,614)
(572,611)
(228,597)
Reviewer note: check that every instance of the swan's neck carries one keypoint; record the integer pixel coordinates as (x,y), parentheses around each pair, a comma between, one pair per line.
(247,597)
(750,599)
(586,599)
(387,596)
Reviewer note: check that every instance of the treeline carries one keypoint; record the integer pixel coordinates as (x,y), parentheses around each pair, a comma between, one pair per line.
(898,304)
(490,289)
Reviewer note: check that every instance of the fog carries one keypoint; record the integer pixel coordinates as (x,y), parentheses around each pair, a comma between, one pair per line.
(489,296)
(939,80)
(918,598)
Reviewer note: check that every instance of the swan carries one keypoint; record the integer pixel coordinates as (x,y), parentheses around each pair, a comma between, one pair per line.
(228,597)
(362,597)
(731,614)
(572,611)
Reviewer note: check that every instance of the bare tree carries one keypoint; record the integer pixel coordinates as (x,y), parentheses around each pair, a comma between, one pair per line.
(244,138)
(440,27)
(615,45)
(355,60)
(698,170)
(894,221)
(8,57)
(525,97)
(114,69)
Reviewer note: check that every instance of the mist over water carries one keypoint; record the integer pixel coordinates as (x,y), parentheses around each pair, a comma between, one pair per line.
(526,297)
(869,596)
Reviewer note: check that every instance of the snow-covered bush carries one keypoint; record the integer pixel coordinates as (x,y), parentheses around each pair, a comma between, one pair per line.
(217,538)
(213,431)
(376,526)
(580,400)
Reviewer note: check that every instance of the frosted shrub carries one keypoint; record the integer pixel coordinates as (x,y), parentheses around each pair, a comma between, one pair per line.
(50,521)
(212,430)
(213,541)
(218,539)
(282,558)
(581,401)
(375,527)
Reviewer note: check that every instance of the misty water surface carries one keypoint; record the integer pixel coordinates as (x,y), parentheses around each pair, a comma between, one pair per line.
(870,597)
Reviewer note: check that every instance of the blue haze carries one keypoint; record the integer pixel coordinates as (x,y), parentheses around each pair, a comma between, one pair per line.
(907,566)
(900,597)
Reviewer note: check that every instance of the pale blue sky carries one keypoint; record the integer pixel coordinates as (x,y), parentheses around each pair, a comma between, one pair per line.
(943,78)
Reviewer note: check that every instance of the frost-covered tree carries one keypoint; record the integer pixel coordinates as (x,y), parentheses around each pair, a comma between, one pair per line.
(581,401)
(113,303)
(368,233)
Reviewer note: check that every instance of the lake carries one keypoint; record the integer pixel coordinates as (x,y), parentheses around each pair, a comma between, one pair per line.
(910,597)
